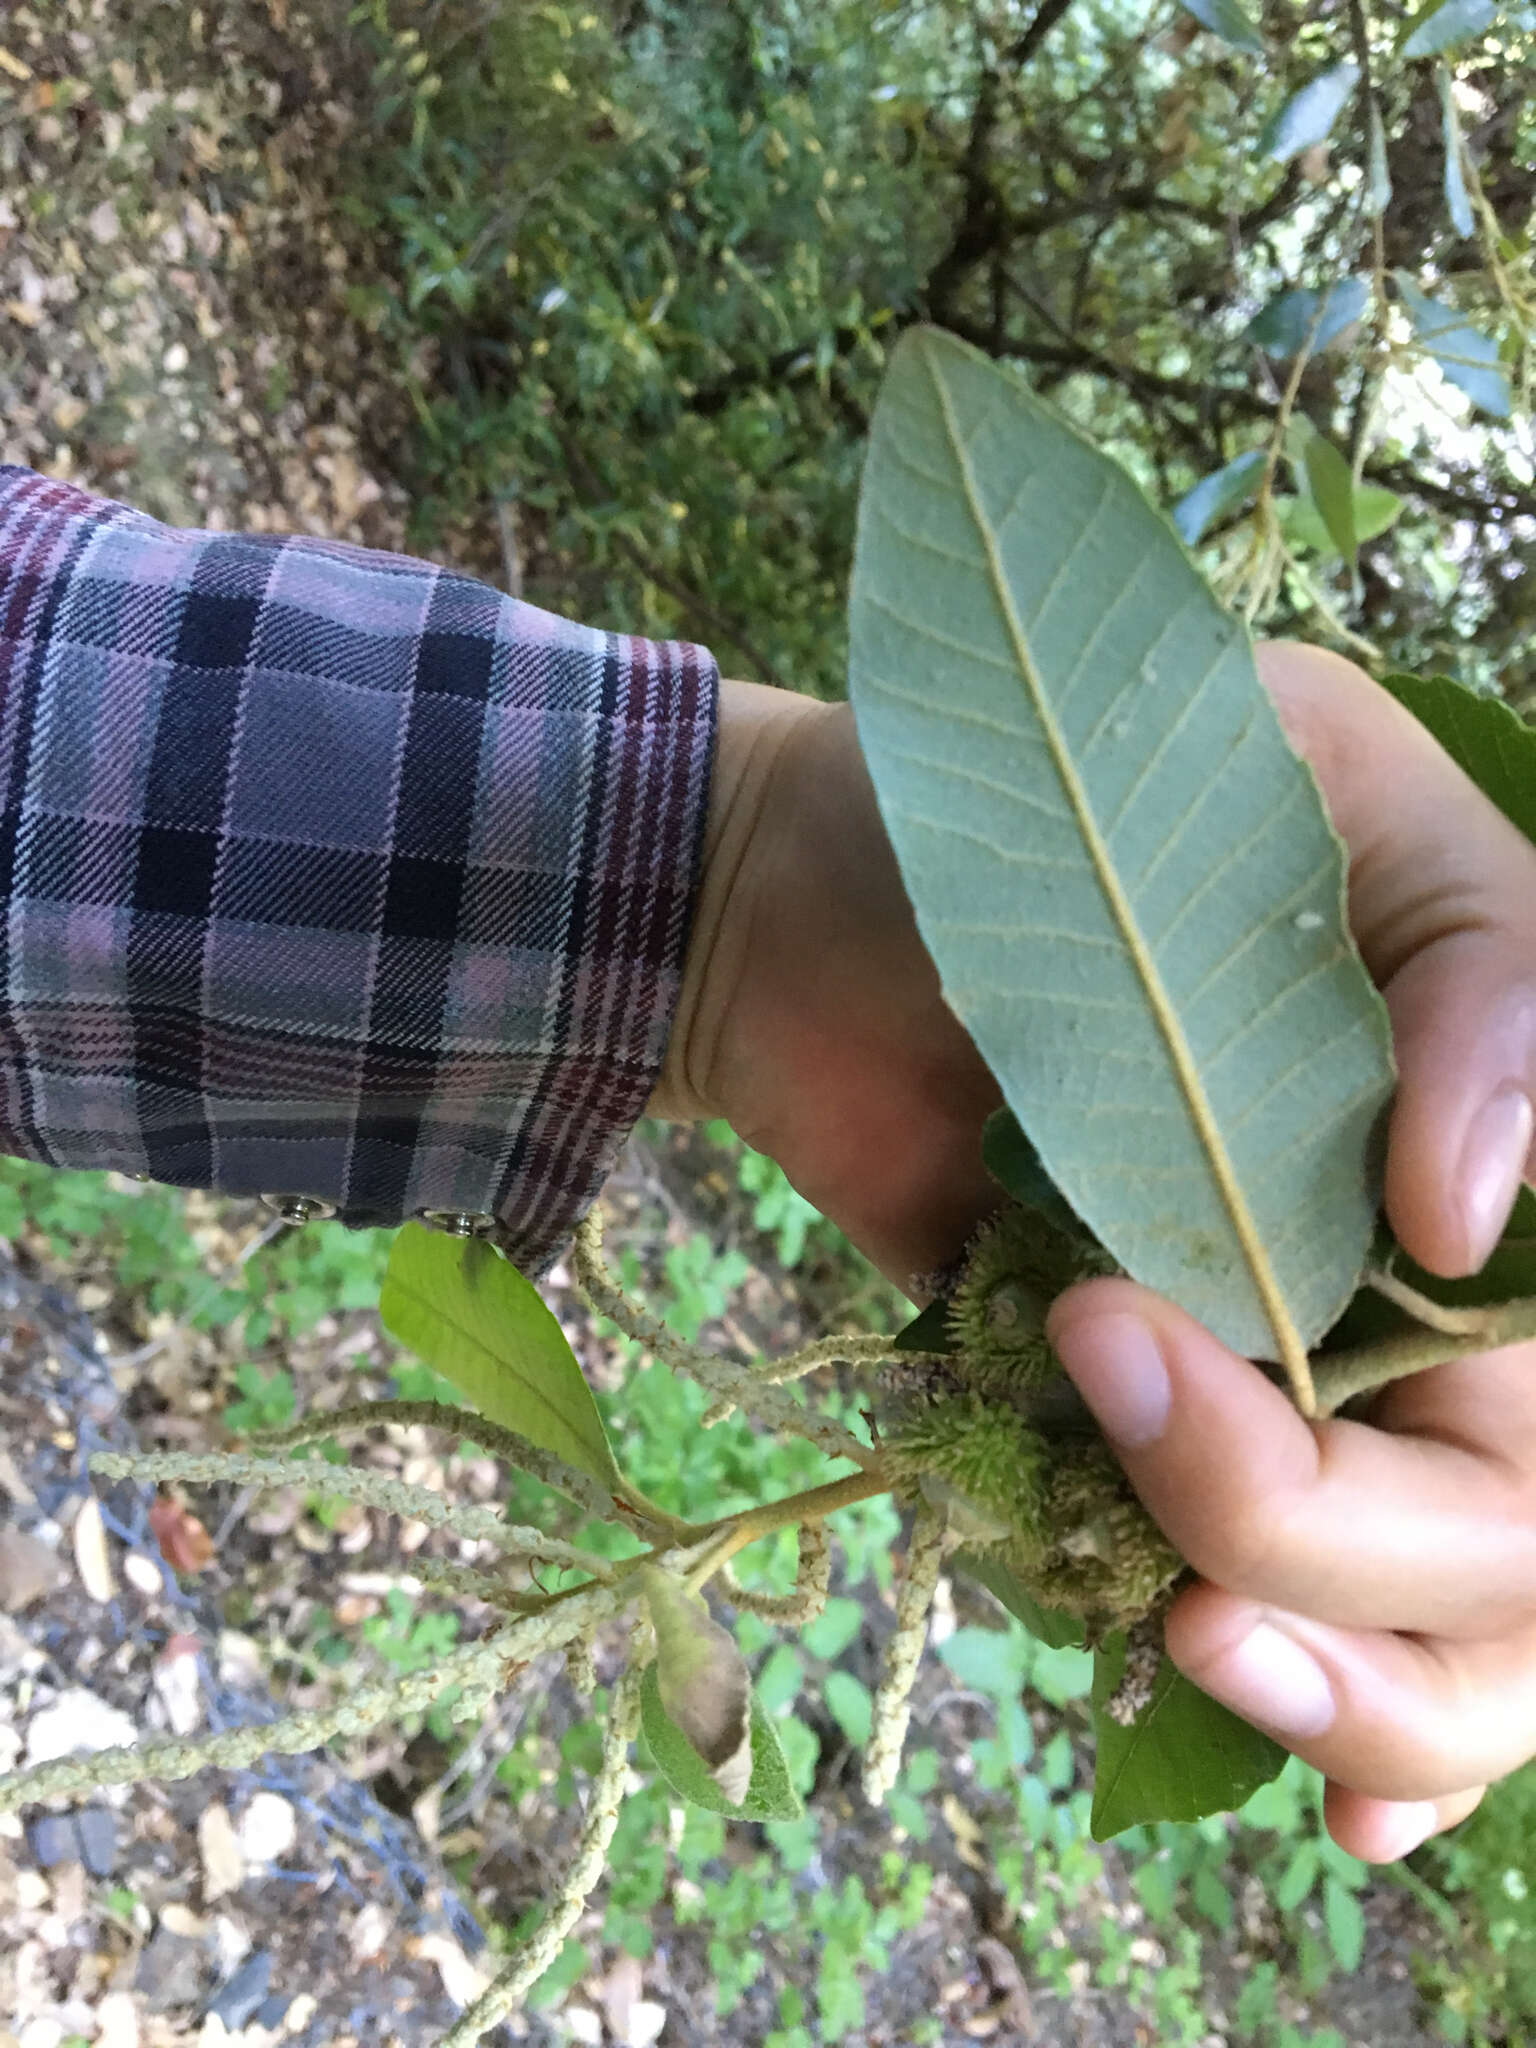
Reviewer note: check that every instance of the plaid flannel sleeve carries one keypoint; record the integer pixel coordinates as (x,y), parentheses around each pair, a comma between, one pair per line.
(330,873)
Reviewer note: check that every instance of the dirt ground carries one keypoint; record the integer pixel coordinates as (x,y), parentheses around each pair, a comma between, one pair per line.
(174,330)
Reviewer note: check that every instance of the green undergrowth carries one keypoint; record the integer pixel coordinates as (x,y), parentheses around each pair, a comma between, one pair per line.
(1018,1773)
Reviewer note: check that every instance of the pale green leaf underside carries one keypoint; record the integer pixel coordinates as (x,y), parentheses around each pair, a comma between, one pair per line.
(1124,874)
(475,1319)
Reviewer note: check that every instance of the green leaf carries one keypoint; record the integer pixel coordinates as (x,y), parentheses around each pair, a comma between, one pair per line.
(769,1796)
(1376,509)
(1445,23)
(1378,174)
(1183,1757)
(1486,740)
(473,1317)
(1344,1917)
(1469,359)
(1292,321)
(1298,1877)
(1308,116)
(1059,1631)
(928,1331)
(849,1704)
(1226,19)
(702,1681)
(1332,485)
(1071,746)
(1223,491)
(1458,201)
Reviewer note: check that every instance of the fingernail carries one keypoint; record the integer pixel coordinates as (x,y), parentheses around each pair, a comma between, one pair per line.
(1271,1679)
(1120,1373)
(1404,1828)
(1492,1168)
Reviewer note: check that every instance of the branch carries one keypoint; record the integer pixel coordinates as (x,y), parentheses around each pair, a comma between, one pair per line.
(1046,17)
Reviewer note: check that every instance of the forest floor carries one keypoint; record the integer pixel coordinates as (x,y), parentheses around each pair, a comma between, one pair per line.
(175,279)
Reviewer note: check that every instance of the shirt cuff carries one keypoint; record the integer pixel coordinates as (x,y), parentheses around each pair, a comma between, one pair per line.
(329,873)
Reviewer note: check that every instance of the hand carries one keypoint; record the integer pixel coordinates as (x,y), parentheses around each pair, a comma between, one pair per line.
(1401,1554)
(1369,1594)
(810,1014)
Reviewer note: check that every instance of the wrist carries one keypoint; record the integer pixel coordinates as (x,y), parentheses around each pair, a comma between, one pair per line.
(761,737)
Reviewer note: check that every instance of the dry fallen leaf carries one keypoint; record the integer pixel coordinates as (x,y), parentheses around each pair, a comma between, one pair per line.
(184,1543)
(90,1545)
(223,1863)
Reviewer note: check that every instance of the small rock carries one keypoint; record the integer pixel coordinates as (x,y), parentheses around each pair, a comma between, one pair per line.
(77,1723)
(178,1684)
(170,1970)
(183,1921)
(117,2022)
(29,1571)
(267,1829)
(273,2011)
(231,1945)
(236,2004)
(143,1574)
(240,1662)
(369,1932)
(52,1836)
(583,2024)
(223,1863)
(90,1545)
(301,2012)
(87,1836)
(68,1901)
(646,2020)
(103,222)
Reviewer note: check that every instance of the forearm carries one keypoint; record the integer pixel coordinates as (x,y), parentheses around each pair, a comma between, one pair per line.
(330,873)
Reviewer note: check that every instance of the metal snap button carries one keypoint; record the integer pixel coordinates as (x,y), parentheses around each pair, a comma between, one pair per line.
(458,1222)
(298,1208)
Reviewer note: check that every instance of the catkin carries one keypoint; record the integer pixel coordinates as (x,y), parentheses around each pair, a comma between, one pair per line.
(532,1958)
(493,1437)
(352,1482)
(802,1606)
(480,1668)
(903,1653)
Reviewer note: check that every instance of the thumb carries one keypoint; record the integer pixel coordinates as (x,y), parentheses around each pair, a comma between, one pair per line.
(1442,898)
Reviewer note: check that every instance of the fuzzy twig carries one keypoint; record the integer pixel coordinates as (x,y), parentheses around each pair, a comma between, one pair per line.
(532,1957)
(730,1383)
(1343,1376)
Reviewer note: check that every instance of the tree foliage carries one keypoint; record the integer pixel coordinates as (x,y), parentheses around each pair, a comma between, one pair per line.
(661,250)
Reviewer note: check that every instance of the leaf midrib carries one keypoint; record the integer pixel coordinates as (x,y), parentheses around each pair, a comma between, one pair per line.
(1287,1337)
